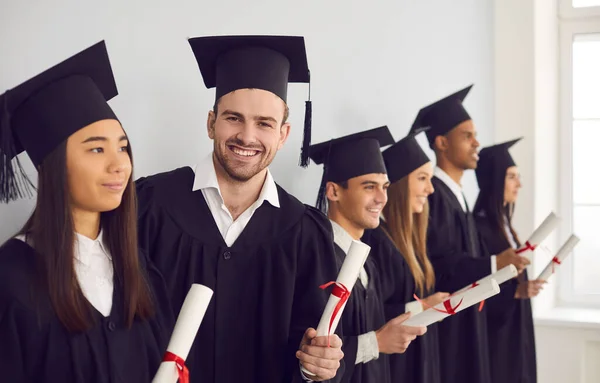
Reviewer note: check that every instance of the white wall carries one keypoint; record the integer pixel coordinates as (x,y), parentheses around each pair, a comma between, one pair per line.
(372,63)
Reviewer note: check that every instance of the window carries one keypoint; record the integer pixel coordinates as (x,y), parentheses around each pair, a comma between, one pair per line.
(580,139)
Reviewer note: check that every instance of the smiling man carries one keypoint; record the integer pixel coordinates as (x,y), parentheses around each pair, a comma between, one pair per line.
(353,192)
(225,223)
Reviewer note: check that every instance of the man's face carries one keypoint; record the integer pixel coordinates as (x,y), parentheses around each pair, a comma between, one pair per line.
(460,146)
(362,202)
(248,131)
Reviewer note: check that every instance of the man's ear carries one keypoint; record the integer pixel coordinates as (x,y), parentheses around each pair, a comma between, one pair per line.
(332,191)
(210,124)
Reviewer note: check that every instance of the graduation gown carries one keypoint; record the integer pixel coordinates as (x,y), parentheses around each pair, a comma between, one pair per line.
(510,321)
(421,361)
(266,285)
(36,347)
(363,313)
(459,258)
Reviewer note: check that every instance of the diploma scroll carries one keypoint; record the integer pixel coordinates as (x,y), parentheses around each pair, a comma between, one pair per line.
(563,253)
(539,235)
(187,325)
(455,304)
(354,261)
(499,276)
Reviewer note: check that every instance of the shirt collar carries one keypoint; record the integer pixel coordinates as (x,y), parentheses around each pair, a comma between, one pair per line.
(84,246)
(454,187)
(205,177)
(341,237)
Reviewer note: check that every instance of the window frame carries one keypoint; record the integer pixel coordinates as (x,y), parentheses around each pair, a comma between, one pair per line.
(572,22)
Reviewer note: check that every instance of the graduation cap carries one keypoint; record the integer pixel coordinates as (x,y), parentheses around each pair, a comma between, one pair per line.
(43,112)
(350,156)
(493,162)
(229,63)
(442,116)
(405,156)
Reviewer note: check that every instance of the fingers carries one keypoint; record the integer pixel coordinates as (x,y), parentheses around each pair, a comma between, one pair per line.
(309,334)
(319,372)
(326,358)
(332,341)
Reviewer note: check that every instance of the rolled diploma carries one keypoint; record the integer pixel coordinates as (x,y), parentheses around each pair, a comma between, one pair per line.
(501,276)
(354,261)
(564,251)
(469,298)
(541,233)
(187,325)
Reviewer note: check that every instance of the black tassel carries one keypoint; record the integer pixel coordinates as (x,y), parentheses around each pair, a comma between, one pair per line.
(14,183)
(321,197)
(305,153)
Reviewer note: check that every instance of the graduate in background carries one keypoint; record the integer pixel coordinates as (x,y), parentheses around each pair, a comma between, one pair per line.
(406,218)
(510,320)
(77,302)
(226,224)
(454,247)
(353,193)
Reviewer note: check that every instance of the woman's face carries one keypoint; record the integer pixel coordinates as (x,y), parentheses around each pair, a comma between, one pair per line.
(420,187)
(512,184)
(98,166)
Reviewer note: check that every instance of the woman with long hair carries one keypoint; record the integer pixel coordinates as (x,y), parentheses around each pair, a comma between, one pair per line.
(405,223)
(510,321)
(78,303)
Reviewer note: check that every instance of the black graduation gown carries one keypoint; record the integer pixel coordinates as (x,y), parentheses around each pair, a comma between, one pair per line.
(35,347)
(363,313)
(266,286)
(510,321)
(421,361)
(459,258)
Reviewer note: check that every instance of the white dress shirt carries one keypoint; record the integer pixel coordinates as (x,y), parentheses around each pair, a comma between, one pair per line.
(94,271)
(458,193)
(205,179)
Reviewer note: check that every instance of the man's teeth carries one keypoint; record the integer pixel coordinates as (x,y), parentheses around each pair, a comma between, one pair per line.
(245,153)
(374,210)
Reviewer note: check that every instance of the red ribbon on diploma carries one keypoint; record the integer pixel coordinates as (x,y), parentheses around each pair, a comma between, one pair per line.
(340,291)
(482,303)
(182,370)
(528,246)
(555,260)
(447,305)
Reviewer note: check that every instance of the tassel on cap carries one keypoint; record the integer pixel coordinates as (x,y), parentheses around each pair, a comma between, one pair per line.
(14,183)
(305,150)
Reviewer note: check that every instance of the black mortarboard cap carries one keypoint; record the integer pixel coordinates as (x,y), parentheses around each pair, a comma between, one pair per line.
(350,156)
(405,156)
(229,63)
(442,116)
(493,162)
(44,111)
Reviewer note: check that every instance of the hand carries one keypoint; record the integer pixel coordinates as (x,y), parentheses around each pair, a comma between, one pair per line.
(510,257)
(394,337)
(434,299)
(319,359)
(529,289)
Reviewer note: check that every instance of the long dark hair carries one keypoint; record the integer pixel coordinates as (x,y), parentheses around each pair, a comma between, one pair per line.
(51,232)
(490,202)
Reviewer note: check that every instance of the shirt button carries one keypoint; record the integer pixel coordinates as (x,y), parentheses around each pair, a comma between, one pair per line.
(111,326)
(227,255)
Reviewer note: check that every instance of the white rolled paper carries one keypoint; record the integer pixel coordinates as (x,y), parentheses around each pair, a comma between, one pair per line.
(501,276)
(354,261)
(469,298)
(540,234)
(563,253)
(187,325)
